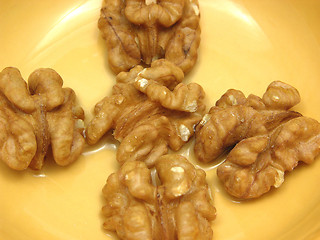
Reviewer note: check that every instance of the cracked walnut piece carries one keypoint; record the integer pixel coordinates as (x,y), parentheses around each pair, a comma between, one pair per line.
(258,163)
(144,121)
(173,203)
(33,119)
(236,117)
(142,31)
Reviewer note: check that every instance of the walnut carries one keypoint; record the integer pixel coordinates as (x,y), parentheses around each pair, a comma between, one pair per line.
(174,204)
(33,119)
(147,124)
(141,31)
(258,163)
(236,117)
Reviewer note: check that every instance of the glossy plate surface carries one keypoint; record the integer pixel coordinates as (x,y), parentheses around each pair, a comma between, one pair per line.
(245,45)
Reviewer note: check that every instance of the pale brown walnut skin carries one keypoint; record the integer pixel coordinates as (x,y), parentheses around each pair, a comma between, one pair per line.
(28,132)
(177,206)
(15,89)
(67,141)
(17,139)
(146,125)
(130,203)
(123,51)
(148,140)
(145,137)
(236,117)
(138,31)
(158,80)
(257,164)
(47,83)
(182,98)
(184,197)
(144,143)
(107,111)
(41,130)
(163,72)
(278,96)
(182,49)
(151,16)
(165,12)
(224,128)
(230,98)
(146,130)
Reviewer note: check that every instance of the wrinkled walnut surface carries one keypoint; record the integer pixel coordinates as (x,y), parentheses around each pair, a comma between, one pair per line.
(236,117)
(35,116)
(172,204)
(279,95)
(144,120)
(258,163)
(138,31)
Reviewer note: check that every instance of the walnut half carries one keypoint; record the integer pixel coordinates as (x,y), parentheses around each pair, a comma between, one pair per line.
(36,116)
(236,117)
(258,163)
(177,205)
(142,31)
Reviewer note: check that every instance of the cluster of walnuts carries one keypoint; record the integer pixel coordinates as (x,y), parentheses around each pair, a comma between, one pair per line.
(154,195)
(151,45)
(150,110)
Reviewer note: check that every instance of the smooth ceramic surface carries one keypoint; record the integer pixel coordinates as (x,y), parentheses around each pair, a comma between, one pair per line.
(245,45)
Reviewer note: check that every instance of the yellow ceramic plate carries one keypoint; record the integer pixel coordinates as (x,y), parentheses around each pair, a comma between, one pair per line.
(245,45)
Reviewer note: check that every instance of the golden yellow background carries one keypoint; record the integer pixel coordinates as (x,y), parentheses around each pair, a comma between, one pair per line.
(245,45)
